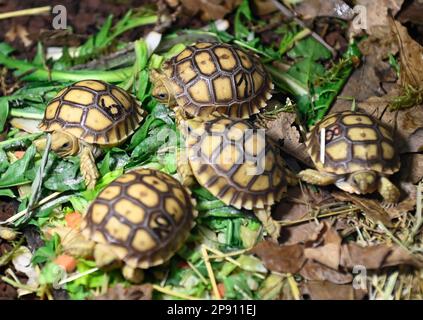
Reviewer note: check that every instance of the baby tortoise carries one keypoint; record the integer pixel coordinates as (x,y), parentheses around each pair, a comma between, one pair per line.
(208,77)
(87,115)
(237,164)
(359,155)
(141,219)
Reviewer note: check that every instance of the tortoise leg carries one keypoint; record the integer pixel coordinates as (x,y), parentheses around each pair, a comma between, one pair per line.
(270,225)
(317,177)
(184,169)
(134,275)
(88,168)
(103,256)
(388,190)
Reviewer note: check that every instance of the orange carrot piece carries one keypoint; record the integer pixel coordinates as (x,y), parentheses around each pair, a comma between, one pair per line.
(66,261)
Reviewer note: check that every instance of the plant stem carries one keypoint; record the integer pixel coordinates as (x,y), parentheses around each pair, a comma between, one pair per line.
(17,112)
(293,84)
(39,74)
(6,143)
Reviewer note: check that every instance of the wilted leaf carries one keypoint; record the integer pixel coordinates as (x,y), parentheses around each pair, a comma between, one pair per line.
(325,290)
(317,271)
(282,128)
(280,258)
(329,250)
(376,15)
(411,57)
(376,257)
(311,9)
(135,292)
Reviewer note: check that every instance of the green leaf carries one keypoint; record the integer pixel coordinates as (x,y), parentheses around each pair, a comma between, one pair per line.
(16,173)
(51,274)
(307,52)
(6,48)
(4,161)
(102,183)
(242,13)
(47,252)
(64,175)
(309,48)
(39,55)
(7,193)
(236,287)
(4,113)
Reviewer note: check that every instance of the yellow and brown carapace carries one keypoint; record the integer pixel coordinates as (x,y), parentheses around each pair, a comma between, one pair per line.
(143,218)
(208,77)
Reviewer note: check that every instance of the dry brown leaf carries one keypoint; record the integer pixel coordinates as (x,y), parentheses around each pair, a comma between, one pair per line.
(282,129)
(376,257)
(210,9)
(297,206)
(317,271)
(328,252)
(325,290)
(377,15)
(370,207)
(411,57)
(283,259)
(135,292)
(311,9)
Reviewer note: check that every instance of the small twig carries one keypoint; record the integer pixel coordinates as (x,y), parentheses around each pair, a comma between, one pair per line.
(25,12)
(292,14)
(197,272)
(24,212)
(210,272)
(77,276)
(325,215)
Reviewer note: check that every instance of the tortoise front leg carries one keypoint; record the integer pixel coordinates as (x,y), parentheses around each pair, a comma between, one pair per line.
(317,177)
(271,226)
(184,168)
(88,168)
(388,190)
(134,275)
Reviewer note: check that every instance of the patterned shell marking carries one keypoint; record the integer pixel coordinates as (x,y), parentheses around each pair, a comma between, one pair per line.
(354,141)
(95,111)
(145,216)
(235,162)
(217,76)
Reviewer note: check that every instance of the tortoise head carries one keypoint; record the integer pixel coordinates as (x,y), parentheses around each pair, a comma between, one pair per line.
(63,143)
(162,88)
(364,181)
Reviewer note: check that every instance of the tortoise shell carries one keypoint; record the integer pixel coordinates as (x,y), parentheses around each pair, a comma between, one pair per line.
(209,77)
(94,111)
(235,162)
(353,141)
(145,216)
